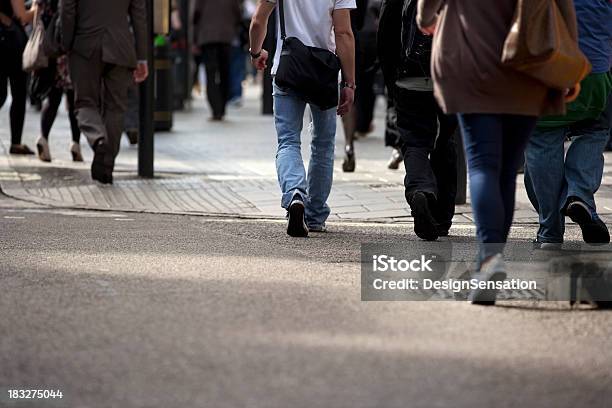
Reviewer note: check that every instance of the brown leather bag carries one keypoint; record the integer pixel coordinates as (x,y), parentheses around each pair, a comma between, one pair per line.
(543,43)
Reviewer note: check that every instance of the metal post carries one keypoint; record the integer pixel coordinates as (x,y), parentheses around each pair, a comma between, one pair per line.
(147,106)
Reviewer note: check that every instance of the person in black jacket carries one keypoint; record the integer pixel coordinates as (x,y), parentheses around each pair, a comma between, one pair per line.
(427,134)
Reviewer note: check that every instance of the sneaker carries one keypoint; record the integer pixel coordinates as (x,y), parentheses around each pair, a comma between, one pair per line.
(493,270)
(425,225)
(547,246)
(594,231)
(317,228)
(296,226)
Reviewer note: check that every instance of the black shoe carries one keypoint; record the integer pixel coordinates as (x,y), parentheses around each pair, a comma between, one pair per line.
(99,170)
(132,136)
(594,231)
(425,225)
(296,226)
(442,230)
(348,165)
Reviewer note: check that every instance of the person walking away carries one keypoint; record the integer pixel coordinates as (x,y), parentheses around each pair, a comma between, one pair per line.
(105,57)
(497,108)
(427,133)
(13,39)
(364,22)
(564,184)
(61,85)
(215,25)
(389,44)
(322,24)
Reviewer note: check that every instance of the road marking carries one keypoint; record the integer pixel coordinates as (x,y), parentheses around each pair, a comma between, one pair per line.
(8,217)
(124,219)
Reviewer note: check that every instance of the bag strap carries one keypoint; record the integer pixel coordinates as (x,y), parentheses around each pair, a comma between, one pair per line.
(281,13)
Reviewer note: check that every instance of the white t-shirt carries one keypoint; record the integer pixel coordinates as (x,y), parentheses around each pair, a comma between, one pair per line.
(310,21)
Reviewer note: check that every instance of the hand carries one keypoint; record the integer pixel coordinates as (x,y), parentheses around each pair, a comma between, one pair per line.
(261,63)
(572,94)
(141,72)
(431,30)
(347,97)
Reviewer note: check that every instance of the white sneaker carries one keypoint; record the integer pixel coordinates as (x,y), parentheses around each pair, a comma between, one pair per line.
(494,270)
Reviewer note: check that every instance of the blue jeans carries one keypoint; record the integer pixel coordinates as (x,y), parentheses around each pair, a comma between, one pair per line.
(552,176)
(315,188)
(494,145)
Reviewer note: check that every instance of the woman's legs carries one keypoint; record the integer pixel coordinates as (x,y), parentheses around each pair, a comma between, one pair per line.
(49,111)
(74,124)
(494,146)
(19,86)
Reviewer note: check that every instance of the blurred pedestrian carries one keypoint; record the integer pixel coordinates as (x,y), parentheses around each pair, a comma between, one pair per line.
(427,133)
(215,25)
(364,22)
(564,183)
(324,25)
(60,85)
(13,39)
(105,57)
(497,107)
(239,55)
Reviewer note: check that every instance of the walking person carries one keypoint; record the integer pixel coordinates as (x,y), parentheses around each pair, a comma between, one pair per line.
(364,23)
(427,133)
(497,108)
(325,25)
(215,26)
(564,184)
(13,39)
(60,85)
(105,57)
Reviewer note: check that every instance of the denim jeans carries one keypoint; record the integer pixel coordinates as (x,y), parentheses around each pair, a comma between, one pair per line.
(315,187)
(494,145)
(552,176)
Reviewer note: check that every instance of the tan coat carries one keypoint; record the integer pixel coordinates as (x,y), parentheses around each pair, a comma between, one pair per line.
(466,62)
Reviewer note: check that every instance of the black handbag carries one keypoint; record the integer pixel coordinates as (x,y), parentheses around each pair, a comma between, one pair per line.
(310,72)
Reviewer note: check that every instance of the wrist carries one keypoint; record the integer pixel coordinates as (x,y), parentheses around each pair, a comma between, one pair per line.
(255,55)
(349,84)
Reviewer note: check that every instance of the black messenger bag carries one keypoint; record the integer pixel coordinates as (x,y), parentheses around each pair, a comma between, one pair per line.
(309,71)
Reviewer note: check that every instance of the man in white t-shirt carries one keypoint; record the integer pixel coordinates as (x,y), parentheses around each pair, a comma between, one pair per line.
(323,24)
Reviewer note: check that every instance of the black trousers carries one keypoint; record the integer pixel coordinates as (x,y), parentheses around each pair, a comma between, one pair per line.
(216,58)
(365,71)
(19,86)
(429,149)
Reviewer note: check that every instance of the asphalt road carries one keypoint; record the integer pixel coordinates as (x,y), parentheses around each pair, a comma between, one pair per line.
(136,310)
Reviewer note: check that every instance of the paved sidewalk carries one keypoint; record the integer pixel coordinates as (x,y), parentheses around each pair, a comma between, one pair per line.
(217,169)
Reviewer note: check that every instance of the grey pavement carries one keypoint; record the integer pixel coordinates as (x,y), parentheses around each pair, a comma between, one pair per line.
(147,310)
(218,169)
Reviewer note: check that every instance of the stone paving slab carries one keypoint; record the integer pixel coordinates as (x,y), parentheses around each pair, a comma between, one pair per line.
(219,169)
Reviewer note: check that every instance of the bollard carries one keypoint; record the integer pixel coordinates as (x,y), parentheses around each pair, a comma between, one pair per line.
(147,97)
(164,96)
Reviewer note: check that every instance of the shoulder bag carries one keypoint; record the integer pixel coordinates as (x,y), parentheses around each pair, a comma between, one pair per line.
(309,71)
(543,43)
(34,57)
